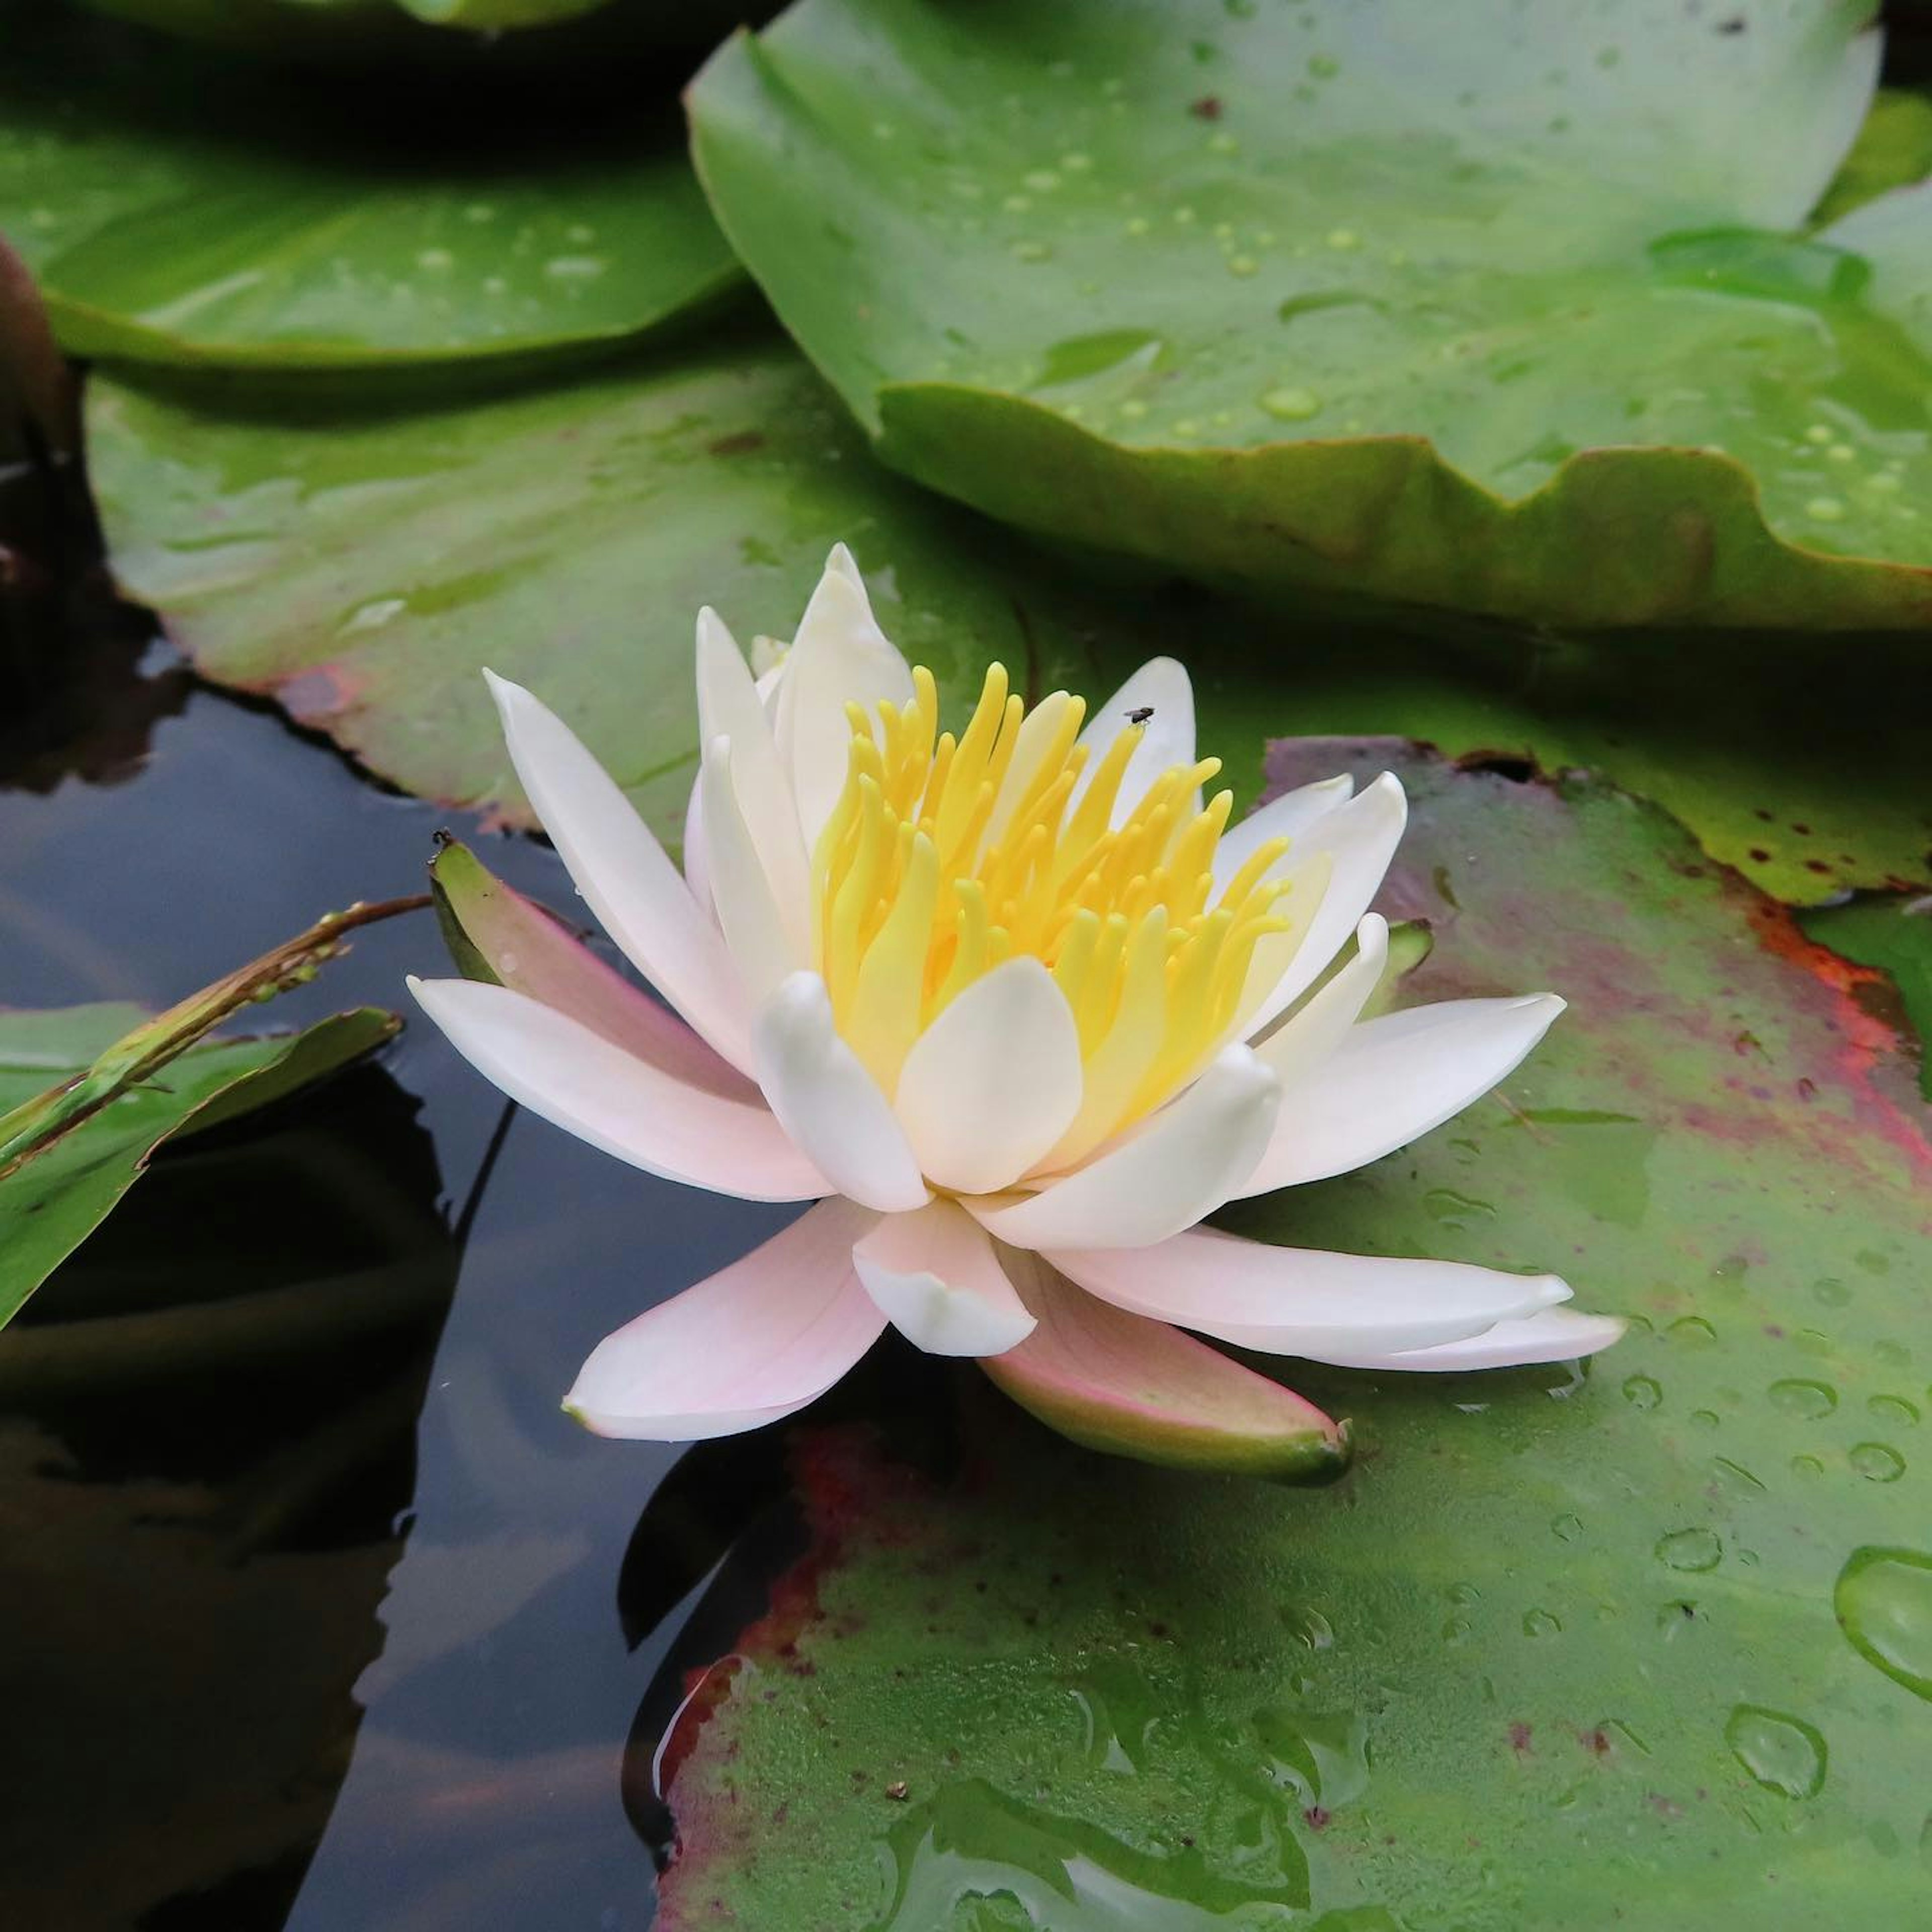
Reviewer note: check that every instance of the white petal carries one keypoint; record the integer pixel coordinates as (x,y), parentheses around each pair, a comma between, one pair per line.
(840,656)
(729,706)
(579,1081)
(763,948)
(1180,1164)
(993,1081)
(1304,1301)
(934,1275)
(1160,686)
(1394,1079)
(1303,1041)
(753,1342)
(697,871)
(1287,817)
(623,872)
(827,1102)
(1355,841)
(1553,1335)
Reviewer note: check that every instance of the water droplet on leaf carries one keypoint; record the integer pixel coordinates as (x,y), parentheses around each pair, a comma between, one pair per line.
(1693,1549)
(1784,1753)
(1806,1400)
(1883,1598)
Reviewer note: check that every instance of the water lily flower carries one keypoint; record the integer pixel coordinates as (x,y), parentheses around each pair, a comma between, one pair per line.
(1017,1008)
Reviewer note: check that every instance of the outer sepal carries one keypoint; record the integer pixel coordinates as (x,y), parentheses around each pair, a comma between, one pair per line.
(1119,1383)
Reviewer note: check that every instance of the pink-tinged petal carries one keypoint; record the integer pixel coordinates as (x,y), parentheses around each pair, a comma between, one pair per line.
(624,875)
(1309,1036)
(827,1102)
(993,1083)
(1161,685)
(753,1342)
(1393,1079)
(1180,1164)
(515,941)
(935,1276)
(579,1081)
(763,947)
(1305,1301)
(729,706)
(1553,1335)
(1288,817)
(1352,844)
(839,657)
(1111,1381)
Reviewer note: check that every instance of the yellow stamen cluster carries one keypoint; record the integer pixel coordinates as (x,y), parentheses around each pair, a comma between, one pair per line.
(945,856)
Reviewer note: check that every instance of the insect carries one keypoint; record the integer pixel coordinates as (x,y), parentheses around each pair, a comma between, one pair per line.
(1141,715)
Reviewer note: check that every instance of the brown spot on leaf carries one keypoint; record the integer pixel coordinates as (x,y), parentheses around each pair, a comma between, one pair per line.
(740,444)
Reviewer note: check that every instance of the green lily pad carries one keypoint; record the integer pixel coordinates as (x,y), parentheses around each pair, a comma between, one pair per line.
(1894,148)
(179,209)
(1488,308)
(353,31)
(1642,1647)
(361,565)
(1894,936)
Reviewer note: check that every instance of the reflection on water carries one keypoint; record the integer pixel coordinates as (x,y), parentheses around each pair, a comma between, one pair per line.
(208,1438)
(368,1596)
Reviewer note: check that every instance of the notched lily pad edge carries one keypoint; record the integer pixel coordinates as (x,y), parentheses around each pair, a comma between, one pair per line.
(1674,535)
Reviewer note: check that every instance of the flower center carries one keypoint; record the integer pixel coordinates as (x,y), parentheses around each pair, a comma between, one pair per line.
(946,856)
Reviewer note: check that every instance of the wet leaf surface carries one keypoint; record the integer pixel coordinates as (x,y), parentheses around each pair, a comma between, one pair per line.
(1495,311)
(1895,936)
(362,567)
(513,33)
(1628,1648)
(182,209)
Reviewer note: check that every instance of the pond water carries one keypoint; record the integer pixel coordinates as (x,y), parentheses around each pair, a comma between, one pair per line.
(339,1639)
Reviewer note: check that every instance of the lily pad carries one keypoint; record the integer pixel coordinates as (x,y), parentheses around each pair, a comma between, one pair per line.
(352,31)
(1499,310)
(87,1093)
(1894,937)
(180,209)
(1894,149)
(361,565)
(1636,1648)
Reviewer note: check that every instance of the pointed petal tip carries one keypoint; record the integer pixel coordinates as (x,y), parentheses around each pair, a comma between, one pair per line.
(1386,786)
(1547,1290)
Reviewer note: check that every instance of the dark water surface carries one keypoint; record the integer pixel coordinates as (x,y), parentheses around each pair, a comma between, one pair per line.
(335,1640)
